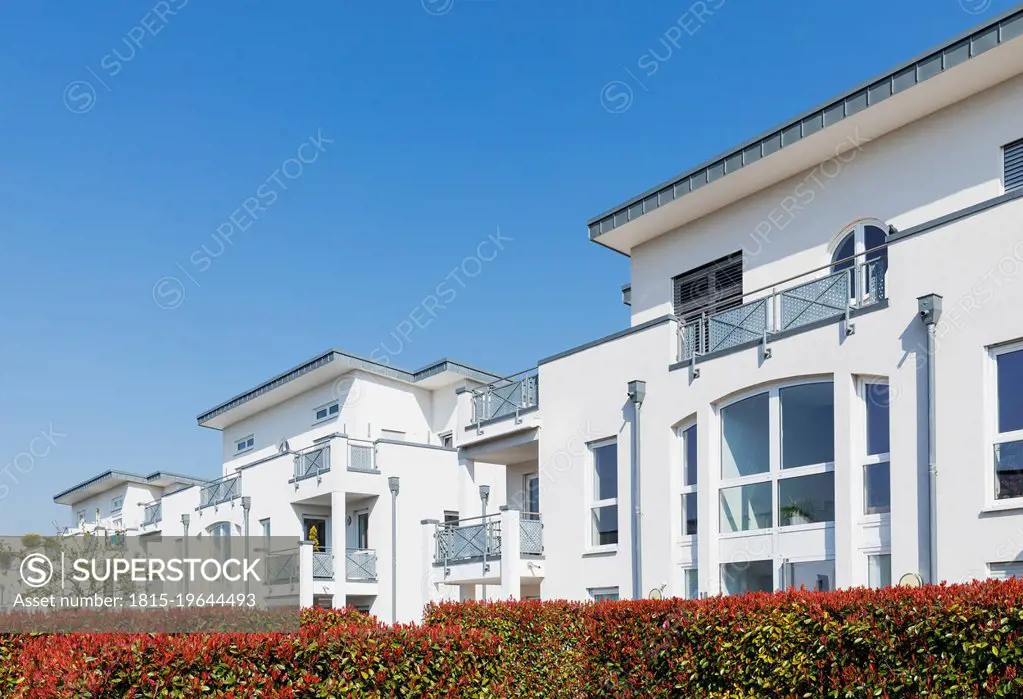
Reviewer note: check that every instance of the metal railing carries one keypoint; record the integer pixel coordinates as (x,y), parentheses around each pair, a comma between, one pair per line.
(361,456)
(323,565)
(468,539)
(360,564)
(282,567)
(505,397)
(531,534)
(222,490)
(829,297)
(312,462)
(152,512)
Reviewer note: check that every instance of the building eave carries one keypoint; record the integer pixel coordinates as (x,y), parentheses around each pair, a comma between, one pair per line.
(958,50)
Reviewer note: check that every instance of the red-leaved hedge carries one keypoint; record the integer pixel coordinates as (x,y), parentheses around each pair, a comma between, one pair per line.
(956,642)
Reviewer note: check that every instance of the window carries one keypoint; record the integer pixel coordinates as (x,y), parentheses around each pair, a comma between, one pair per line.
(326,412)
(877,491)
(747,576)
(116,504)
(1012,165)
(264,524)
(691,579)
(244,444)
(879,570)
(778,444)
(809,575)
(689,470)
(604,496)
(446,440)
(532,493)
(1005,571)
(450,517)
(80,517)
(1008,440)
(715,286)
(603,594)
(746,430)
(396,435)
(860,249)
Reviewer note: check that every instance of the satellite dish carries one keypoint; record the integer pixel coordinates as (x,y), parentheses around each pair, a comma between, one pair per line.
(283,447)
(656,593)
(911,580)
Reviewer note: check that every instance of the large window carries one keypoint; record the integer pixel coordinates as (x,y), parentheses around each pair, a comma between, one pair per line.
(603,594)
(879,570)
(692,583)
(604,494)
(689,470)
(877,491)
(778,451)
(747,576)
(1008,438)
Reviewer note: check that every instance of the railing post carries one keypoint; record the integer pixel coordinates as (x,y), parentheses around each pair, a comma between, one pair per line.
(511,553)
(850,327)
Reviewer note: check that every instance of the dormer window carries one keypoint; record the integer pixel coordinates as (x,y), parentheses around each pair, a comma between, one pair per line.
(326,412)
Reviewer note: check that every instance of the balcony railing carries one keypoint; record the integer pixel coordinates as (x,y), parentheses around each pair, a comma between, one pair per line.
(477,538)
(312,462)
(282,567)
(152,513)
(360,565)
(361,456)
(220,491)
(508,396)
(829,297)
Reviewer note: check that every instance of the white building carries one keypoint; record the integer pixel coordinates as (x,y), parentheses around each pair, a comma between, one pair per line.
(804,308)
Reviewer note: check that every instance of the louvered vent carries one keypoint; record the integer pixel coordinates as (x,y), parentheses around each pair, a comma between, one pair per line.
(1013,154)
(713,287)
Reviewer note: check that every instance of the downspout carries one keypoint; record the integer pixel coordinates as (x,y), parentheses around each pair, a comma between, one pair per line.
(929,308)
(637,392)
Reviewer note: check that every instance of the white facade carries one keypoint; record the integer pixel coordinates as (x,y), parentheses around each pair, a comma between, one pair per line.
(797,401)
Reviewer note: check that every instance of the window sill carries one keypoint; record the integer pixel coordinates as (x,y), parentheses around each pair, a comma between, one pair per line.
(875,519)
(325,420)
(1003,506)
(608,550)
(808,527)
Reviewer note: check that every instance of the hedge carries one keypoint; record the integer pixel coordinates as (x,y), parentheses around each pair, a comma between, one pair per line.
(956,642)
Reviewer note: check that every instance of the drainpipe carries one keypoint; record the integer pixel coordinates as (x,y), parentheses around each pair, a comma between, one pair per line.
(929,308)
(392,484)
(246,506)
(184,525)
(637,392)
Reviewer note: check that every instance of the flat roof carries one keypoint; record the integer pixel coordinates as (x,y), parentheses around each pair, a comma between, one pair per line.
(355,362)
(924,66)
(111,478)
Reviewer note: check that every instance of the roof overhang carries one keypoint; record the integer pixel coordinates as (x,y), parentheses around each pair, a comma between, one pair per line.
(327,367)
(964,66)
(111,479)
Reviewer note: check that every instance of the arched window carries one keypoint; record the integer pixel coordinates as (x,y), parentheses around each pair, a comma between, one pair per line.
(862,248)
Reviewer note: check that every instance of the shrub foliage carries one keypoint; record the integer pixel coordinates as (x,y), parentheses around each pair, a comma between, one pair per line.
(956,642)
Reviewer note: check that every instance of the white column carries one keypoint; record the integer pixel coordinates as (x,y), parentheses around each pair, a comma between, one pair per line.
(305,574)
(427,548)
(338,543)
(511,554)
(848,483)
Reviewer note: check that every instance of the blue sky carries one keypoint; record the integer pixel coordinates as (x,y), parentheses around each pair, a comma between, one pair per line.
(131,135)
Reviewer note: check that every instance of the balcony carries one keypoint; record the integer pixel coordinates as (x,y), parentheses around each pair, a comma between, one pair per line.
(510,396)
(312,462)
(479,538)
(360,565)
(152,513)
(361,456)
(803,306)
(220,491)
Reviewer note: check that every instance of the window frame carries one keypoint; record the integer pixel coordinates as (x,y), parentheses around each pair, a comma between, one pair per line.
(891,574)
(329,416)
(116,504)
(592,503)
(1003,152)
(994,436)
(686,571)
(866,459)
(775,473)
(604,594)
(447,437)
(685,488)
(242,446)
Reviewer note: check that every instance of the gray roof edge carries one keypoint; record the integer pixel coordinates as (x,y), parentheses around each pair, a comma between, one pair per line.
(607,338)
(888,74)
(129,477)
(329,356)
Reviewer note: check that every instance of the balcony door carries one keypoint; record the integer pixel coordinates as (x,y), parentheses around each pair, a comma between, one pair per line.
(861,248)
(532,492)
(315,530)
